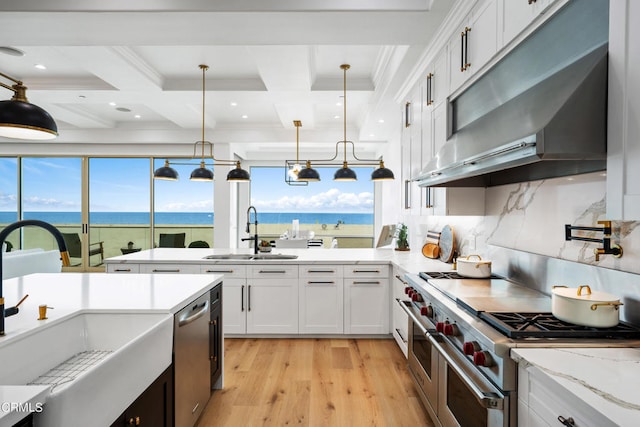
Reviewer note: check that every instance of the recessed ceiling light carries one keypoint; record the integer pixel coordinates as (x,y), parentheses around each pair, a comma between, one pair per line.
(40,66)
(336,117)
(381,121)
(113,104)
(244,116)
(234,104)
(123,109)
(137,116)
(338,104)
(11,51)
(371,135)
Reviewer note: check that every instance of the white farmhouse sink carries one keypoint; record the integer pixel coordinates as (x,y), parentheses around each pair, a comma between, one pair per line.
(129,352)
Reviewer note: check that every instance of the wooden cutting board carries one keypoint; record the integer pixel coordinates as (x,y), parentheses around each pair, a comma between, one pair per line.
(431,248)
(447,244)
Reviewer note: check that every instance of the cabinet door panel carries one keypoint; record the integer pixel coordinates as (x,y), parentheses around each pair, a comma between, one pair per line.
(321,306)
(234,306)
(483,37)
(367,306)
(272,306)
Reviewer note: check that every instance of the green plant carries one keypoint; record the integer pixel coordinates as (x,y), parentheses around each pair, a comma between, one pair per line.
(402,241)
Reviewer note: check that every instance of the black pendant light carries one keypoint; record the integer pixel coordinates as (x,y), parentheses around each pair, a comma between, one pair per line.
(238,174)
(22,120)
(308,174)
(382,173)
(345,173)
(166,172)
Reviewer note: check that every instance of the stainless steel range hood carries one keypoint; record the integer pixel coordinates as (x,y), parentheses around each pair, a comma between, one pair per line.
(539,113)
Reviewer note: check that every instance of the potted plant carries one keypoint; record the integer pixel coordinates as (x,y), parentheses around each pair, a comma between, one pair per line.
(402,240)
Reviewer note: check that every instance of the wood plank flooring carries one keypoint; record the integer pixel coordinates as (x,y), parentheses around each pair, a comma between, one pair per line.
(314,382)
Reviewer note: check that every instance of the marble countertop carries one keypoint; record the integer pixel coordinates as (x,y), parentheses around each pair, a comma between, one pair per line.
(73,293)
(410,261)
(606,379)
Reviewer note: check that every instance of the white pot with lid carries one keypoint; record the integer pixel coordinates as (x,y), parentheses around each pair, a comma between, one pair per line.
(583,307)
(476,268)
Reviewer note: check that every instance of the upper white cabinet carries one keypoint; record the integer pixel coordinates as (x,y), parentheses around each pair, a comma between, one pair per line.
(474,43)
(623,130)
(517,15)
(412,149)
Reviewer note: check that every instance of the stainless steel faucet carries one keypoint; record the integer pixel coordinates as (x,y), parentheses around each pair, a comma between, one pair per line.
(255,225)
(3,236)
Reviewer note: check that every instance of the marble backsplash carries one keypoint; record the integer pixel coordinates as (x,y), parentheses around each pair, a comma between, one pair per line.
(531,217)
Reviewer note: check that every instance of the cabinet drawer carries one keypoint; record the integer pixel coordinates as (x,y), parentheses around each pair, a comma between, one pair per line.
(272,271)
(321,271)
(380,271)
(123,268)
(229,271)
(169,268)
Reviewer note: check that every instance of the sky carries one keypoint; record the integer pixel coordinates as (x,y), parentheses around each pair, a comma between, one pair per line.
(123,185)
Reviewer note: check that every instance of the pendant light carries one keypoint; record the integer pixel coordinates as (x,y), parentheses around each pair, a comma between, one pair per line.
(345,173)
(202,173)
(308,174)
(382,173)
(22,120)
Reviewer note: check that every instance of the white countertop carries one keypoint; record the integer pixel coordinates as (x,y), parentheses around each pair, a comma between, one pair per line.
(72,293)
(412,261)
(606,379)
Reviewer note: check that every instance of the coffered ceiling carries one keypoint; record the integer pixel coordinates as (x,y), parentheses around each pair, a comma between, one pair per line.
(125,71)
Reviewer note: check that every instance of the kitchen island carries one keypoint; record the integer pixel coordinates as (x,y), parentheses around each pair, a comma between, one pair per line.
(117,305)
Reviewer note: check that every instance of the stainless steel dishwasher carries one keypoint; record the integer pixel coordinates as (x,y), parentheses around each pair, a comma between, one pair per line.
(191,361)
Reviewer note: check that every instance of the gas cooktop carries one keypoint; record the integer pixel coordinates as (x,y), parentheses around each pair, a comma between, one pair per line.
(426,275)
(545,325)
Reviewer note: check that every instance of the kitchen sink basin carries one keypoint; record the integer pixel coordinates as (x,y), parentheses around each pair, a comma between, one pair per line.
(244,257)
(89,360)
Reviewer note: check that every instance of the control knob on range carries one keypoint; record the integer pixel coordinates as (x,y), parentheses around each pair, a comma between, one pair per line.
(483,358)
(426,310)
(470,347)
(451,329)
(408,289)
(440,326)
(416,297)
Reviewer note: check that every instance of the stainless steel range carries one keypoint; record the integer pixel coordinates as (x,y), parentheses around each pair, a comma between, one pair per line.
(460,334)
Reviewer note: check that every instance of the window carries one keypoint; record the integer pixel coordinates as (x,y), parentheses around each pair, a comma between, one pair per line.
(327,209)
(183,206)
(9,197)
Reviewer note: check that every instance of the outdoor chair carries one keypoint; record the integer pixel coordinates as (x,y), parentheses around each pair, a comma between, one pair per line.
(74,246)
(172,240)
(199,244)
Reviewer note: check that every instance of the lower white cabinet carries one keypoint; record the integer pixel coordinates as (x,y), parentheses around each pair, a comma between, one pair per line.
(541,401)
(272,299)
(399,318)
(321,300)
(366,299)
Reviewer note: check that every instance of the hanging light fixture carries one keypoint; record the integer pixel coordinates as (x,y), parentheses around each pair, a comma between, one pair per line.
(345,173)
(308,174)
(295,168)
(22,120)
(202,173)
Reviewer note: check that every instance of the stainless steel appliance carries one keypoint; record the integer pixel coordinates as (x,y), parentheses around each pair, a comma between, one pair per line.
(461,331)
(191,361)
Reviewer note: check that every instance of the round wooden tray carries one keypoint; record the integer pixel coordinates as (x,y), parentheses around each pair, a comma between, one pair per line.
(447,244)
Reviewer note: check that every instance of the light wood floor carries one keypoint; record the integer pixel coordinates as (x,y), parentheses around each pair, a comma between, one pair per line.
(314,382)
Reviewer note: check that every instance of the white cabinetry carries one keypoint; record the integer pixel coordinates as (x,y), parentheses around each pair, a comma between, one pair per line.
(399,318)
(474,42)
(541,401)
(517,15)
(366,299)
(623,130)
(169,268)
(321,300)
(234,305)
(412,150)
(272,299)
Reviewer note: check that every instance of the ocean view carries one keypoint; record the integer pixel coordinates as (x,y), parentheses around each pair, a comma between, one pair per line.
(197,218)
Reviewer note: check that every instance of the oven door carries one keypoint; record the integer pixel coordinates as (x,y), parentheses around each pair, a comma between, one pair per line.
(466,397)
(422,359)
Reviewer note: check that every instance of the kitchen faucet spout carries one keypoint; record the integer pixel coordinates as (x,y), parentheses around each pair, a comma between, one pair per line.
(255,225)
(3,236)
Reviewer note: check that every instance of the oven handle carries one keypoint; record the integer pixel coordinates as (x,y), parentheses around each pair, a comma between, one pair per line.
(404,305)
(486,399)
